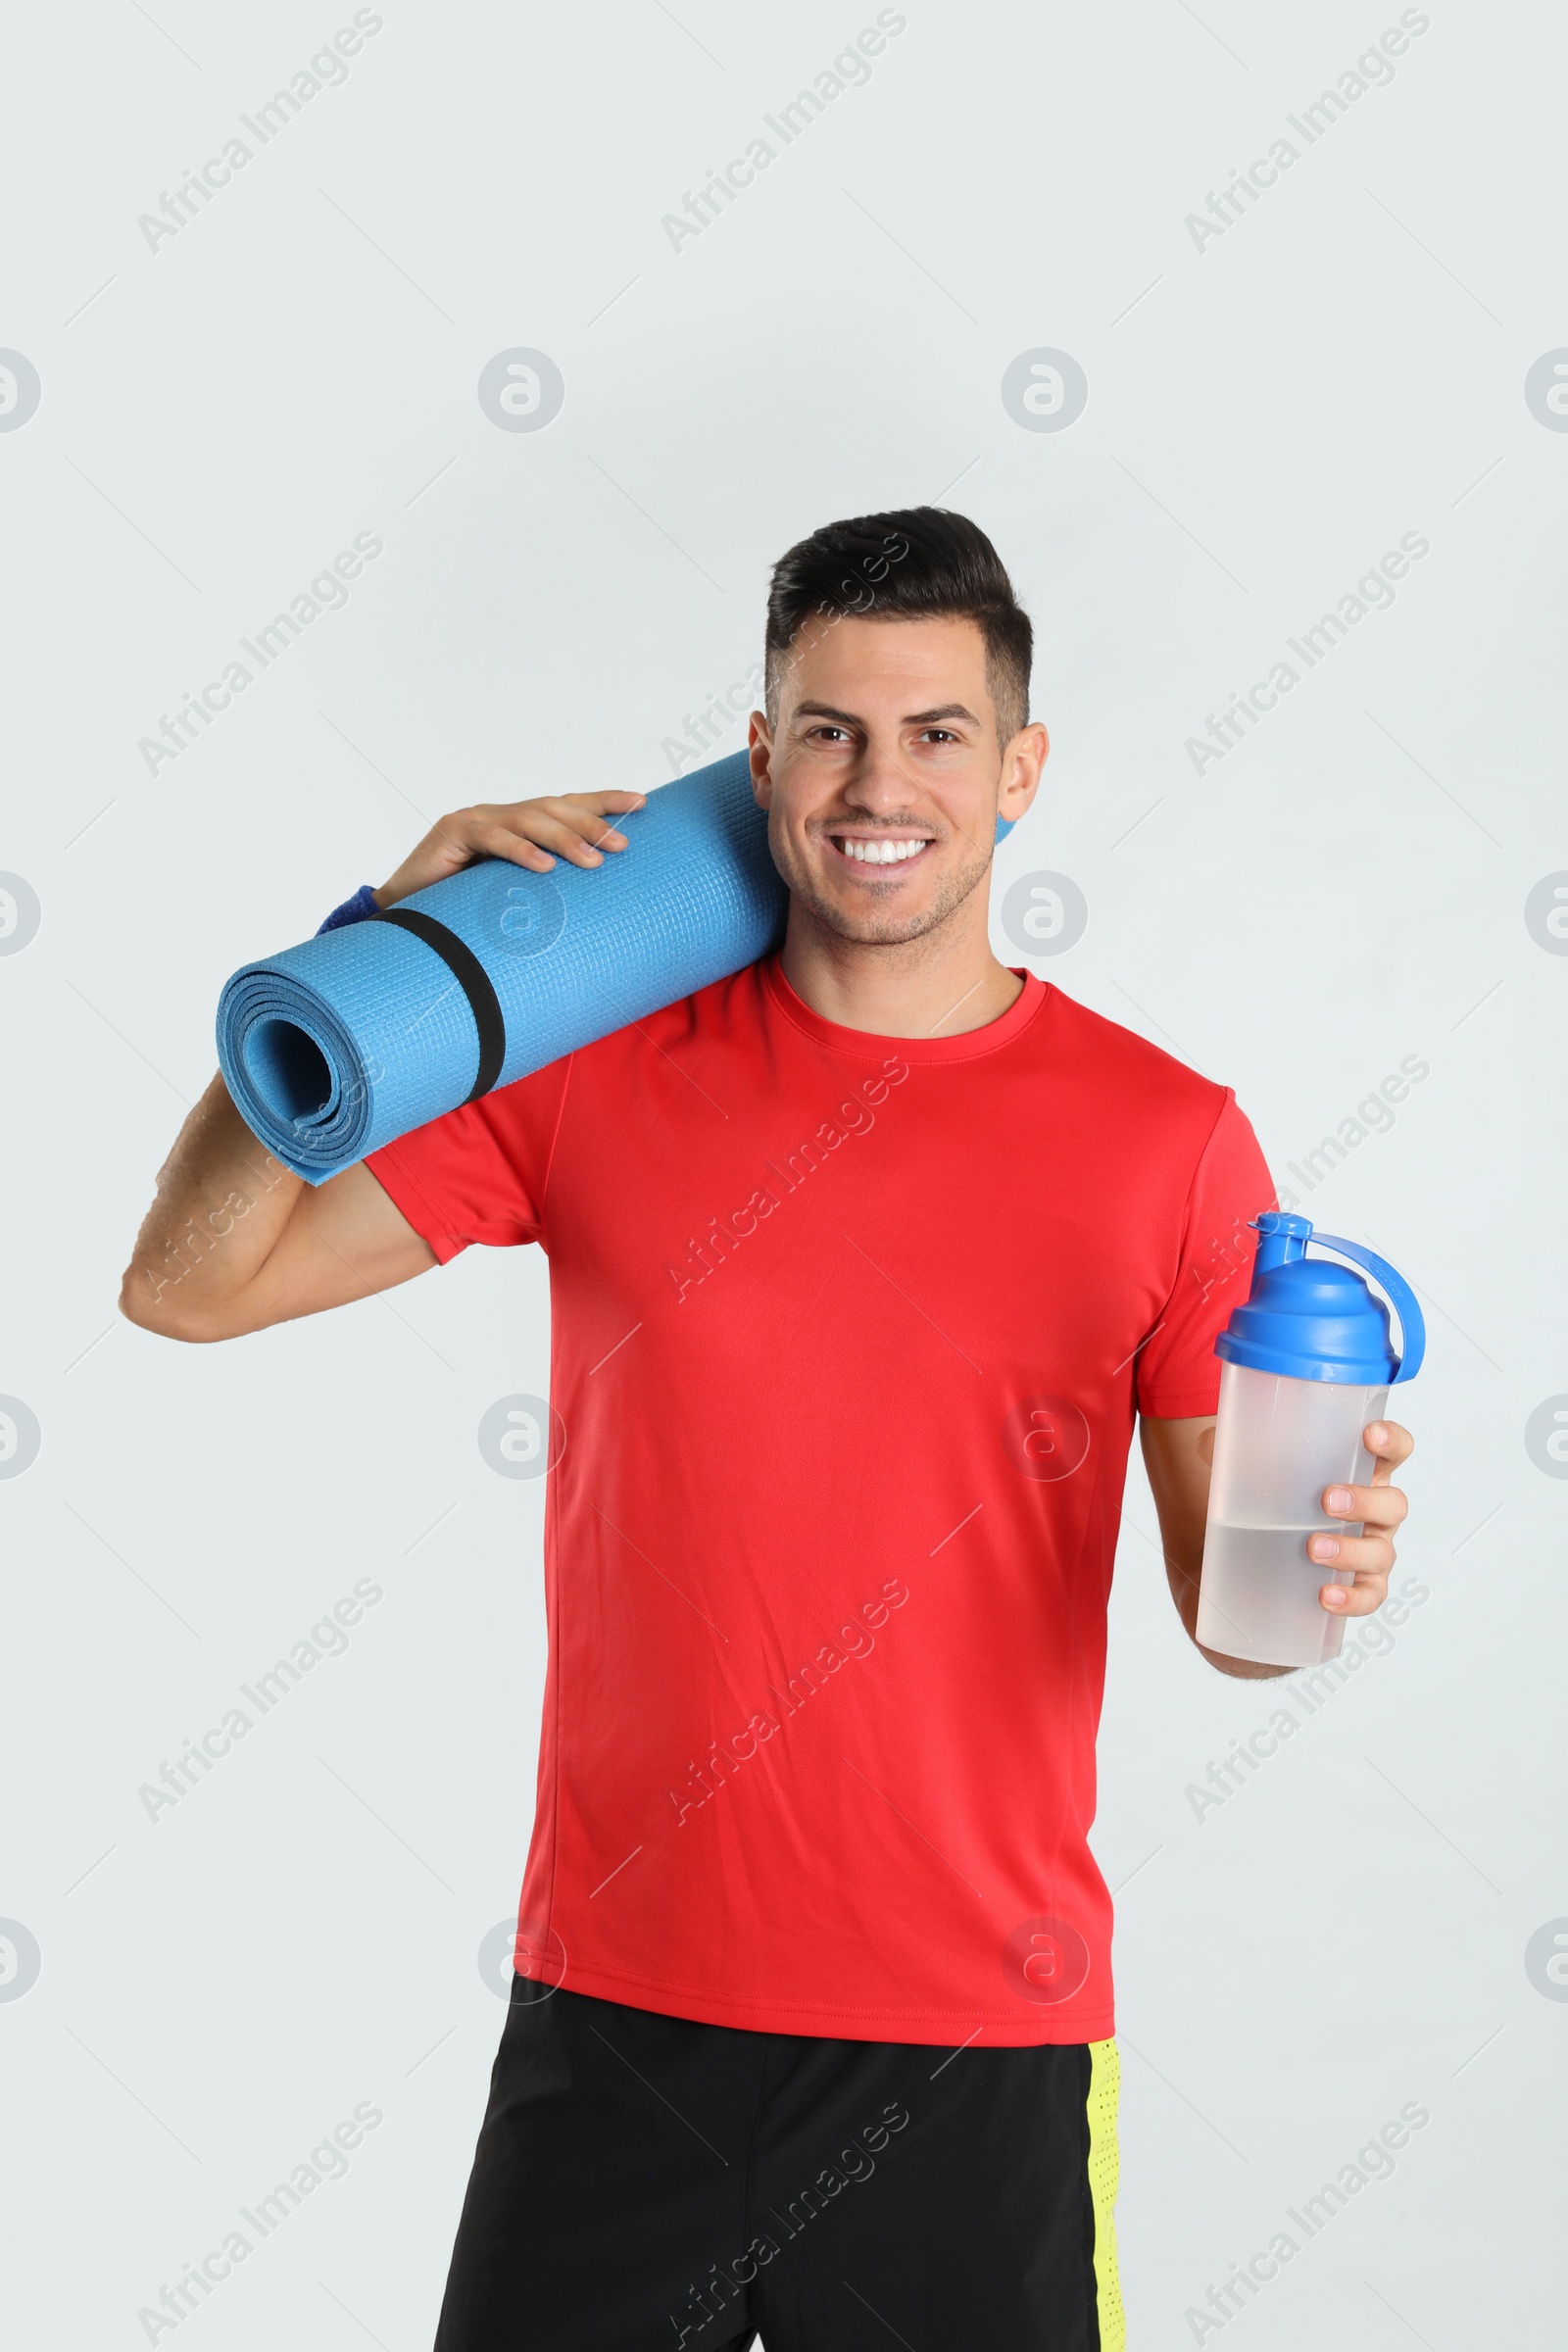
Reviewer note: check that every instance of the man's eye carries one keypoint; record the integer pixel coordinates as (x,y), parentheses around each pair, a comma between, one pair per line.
(939,735)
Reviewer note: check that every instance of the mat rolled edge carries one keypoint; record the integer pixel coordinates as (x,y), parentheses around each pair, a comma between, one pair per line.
(342,1043)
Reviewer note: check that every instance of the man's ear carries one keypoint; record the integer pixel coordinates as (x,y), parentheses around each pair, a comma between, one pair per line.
(1021,764)
(761,751)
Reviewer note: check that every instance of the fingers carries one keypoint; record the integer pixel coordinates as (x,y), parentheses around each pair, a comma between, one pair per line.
(1369,1557)
(573,825)
(618,801)
(498,841)
(1368,1593)
(1380,1507)
(1373,1551)
(528,833)
(588,813)
(1375,1506)
(537,839)
(1390,1443)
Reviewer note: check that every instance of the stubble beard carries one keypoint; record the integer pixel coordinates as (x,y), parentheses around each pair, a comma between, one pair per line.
(875,929)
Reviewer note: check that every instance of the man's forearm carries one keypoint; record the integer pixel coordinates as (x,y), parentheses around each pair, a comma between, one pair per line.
(1183,1572)
(222,1203)
(1178,1456)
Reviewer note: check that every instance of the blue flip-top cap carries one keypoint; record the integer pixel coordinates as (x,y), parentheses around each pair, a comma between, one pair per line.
(1315,1321)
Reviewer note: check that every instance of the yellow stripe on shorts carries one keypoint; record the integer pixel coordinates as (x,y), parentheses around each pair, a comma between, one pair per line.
(1104,2171)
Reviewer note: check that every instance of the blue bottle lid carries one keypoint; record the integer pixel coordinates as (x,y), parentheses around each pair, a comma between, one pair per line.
(1315,1321)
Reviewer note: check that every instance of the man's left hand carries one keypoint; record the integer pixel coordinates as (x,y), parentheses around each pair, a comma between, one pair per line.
(1381,1508)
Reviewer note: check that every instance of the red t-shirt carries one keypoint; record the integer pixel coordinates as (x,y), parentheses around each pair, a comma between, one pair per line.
(848,1334)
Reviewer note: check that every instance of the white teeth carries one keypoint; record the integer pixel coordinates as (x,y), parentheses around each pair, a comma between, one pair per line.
(881,852)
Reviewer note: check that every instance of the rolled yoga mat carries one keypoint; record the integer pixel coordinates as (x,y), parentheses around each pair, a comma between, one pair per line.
(343,1044)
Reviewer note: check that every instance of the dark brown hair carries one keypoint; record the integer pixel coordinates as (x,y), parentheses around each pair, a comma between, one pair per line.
(919,562)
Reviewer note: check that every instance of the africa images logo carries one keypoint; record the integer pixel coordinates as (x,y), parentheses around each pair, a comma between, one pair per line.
(1045,1960)
(20,390)
(1046,1437)
(1546,391)
(521,390)
(521,1437)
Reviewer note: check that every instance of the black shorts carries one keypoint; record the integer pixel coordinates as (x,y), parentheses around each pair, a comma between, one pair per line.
(643,2182)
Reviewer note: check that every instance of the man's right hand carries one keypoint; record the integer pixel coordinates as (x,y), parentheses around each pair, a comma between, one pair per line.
(573,824)
(234,1242)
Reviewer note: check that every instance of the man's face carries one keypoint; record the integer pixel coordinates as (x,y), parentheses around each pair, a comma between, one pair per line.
(883,775)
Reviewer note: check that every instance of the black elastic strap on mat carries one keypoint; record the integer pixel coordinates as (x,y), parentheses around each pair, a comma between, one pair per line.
(473,980)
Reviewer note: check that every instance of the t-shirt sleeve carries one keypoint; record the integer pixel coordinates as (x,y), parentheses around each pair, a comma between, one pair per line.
(1178,1371)
(479,1173)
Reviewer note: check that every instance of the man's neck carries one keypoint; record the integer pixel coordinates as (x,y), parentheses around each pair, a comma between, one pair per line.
(939,985)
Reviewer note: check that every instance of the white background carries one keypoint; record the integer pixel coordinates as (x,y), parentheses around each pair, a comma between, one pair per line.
(1345,364)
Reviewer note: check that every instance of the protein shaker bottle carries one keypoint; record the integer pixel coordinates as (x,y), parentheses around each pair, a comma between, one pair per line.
(1309,1362)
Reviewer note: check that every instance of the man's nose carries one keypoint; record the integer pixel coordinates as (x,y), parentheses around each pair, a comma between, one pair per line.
(883,783)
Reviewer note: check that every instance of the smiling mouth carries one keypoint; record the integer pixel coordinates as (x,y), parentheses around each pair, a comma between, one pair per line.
(881,850)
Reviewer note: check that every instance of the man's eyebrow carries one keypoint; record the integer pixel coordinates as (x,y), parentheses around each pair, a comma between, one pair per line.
(914,718)
(845,718)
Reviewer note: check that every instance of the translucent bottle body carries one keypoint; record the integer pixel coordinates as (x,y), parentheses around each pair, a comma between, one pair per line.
(1278,1443)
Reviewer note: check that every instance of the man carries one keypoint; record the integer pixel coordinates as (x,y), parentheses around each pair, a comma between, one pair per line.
(861,1263)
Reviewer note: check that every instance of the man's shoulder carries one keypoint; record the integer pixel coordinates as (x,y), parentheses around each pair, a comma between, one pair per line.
(726,1005)
(731,1009)
(1122,1060)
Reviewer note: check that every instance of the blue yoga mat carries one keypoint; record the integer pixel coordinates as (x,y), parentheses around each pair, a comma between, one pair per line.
(338,1046)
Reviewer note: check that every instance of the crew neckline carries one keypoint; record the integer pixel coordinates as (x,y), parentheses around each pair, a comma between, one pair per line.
(871,1045)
